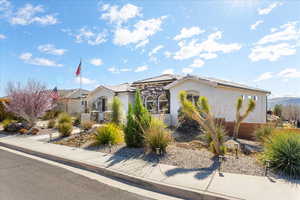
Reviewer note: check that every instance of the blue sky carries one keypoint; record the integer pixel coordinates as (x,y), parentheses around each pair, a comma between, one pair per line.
(251,42)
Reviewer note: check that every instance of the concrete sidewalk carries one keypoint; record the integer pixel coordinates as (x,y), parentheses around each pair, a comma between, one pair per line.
(181,182)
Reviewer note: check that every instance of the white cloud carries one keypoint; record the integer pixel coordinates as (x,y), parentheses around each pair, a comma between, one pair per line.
(122,15)
(271,52)
(264,76)
(187,70)
(142,43)
(90,36)
(167,54)
(84,80)
(141,32)
(188,32)
(2,37)
(125,70)
(208,56)
(29,15)
(289,73)
(267,10)
(51,49)
(155,50)
(113,70)
(141,68)
(286,32)
(96,61)
(168,71)
(5,8)
(281,41)
(27,58)
(197,63)
(256,24)
(195,48)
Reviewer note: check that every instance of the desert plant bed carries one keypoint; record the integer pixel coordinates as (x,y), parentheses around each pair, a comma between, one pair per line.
(190,155)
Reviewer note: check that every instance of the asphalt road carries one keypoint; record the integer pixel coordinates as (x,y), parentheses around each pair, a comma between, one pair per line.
(23,178)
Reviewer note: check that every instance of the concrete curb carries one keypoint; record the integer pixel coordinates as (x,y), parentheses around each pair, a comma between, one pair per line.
(155,186)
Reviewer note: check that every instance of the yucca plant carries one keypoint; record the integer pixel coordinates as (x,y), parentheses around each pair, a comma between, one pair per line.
(241,117)
(283,154)
(202,114)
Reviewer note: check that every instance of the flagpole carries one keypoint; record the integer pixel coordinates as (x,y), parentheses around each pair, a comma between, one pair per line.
(80,87)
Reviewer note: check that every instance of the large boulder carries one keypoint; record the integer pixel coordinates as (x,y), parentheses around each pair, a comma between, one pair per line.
(16,126)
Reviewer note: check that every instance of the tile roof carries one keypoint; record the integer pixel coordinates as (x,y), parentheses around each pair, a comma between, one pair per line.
(120,88)
(125,87)
(163,77)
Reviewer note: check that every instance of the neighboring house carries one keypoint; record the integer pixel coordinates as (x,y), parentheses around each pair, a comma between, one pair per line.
(160,96)
(72,101)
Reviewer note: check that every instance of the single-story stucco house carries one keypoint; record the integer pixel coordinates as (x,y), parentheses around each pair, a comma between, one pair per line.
(160,96)
(72,101)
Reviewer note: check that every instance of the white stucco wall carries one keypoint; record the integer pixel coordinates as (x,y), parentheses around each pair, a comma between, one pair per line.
(99,92)
(125,98)
(221,99)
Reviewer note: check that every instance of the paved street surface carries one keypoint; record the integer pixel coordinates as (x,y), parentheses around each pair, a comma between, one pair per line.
(28,179)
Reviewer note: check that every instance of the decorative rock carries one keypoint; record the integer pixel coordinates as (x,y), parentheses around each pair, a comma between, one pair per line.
(15,127)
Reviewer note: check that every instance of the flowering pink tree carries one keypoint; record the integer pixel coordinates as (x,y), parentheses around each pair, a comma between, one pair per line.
(29,101)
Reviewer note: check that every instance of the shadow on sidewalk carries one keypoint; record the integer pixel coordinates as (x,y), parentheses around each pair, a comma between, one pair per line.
(202,172)
(125,153)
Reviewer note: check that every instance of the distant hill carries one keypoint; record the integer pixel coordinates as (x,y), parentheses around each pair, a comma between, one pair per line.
(284,101)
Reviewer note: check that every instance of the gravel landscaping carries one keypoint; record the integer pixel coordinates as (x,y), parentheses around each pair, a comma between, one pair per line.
(185,155)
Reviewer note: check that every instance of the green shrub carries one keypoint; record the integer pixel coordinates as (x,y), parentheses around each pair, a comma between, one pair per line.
(51,123)
(77,121)
(138,120)
(7,122)
(110,133)
(157,136)
(263,133)
(64,118)
(87,125)
(116,116)
(51,114)
(283,154)
(65,129)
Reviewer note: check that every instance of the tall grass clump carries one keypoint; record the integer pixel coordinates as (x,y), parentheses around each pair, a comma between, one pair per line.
(109,134)
(157,136)
(65,126)
(283,154)
(65,129)
(116,116)
(64,118)
(264,133)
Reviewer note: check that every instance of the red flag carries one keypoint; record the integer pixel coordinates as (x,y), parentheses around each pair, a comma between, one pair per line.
(78,71)
(54,94)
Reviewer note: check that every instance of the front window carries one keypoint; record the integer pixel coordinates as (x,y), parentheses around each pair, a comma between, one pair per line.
(163,104)
(193,97)
(150,103)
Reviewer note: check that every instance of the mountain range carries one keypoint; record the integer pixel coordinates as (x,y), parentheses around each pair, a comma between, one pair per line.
(283,101)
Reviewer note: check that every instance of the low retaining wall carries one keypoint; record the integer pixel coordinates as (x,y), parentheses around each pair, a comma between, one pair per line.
(246,130)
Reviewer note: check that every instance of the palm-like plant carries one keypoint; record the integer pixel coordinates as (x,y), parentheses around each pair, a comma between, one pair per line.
(201,113)
(241,117)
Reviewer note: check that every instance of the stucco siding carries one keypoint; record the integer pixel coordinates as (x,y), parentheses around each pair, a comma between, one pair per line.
(100,92)
(221,99)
